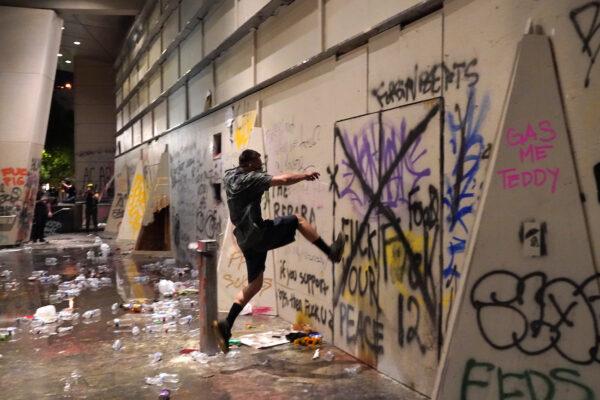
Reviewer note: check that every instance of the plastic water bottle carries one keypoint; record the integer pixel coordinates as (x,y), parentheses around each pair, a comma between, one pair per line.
(91,313)
(185,320)
(105,249)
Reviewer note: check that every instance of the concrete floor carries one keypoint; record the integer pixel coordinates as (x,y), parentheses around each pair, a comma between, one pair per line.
(83,364)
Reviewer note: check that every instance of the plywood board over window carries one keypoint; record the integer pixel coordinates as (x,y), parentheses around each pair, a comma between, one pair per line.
(191,50)
(147,126)
(170,29)
(170,70)
(160,118)
(201,90)
(220,23)
(234,70)
(289,39)
(177,107)
(154,86)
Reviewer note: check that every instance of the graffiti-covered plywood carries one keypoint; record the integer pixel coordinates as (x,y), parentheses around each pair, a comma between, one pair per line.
(526,322)
(137,200)
(387,204)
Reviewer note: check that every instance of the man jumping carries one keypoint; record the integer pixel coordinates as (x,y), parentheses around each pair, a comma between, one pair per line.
(244,186)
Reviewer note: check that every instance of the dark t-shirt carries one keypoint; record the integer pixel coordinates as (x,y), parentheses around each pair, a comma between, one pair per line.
(91,202)
(244,191)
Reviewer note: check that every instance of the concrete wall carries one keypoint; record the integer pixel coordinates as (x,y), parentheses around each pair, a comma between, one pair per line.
(400,124)
(29,41)
(94,123)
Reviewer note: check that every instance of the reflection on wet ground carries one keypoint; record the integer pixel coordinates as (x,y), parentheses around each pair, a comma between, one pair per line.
(86,361)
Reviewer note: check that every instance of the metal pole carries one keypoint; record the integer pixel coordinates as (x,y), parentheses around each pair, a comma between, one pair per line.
(206,255)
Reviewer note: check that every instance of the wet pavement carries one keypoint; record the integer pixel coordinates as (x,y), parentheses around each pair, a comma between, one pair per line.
(85,362)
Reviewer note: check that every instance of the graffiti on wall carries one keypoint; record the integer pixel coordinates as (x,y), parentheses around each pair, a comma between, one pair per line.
(429,81)
(461,186)
(586,21)
(387,204)
(195,194)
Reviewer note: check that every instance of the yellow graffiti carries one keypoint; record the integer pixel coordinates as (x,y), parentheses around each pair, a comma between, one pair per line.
(137,202)
(242,129)
(398,261)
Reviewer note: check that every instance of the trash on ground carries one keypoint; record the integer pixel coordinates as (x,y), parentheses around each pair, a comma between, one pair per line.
(355,369)
(50,261)
(329,356)
(46,314)
(117,345)
(165,394)
(166,287)
(89,314)
(162,378)
(262,340)
(135,331)
(155,357)
(316,355)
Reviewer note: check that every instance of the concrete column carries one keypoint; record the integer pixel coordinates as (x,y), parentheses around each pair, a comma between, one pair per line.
(95,122)
(29,43)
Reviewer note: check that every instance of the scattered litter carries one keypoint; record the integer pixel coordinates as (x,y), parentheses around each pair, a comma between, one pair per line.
(71,381)
(114,307)
(185,320)
(353,370)
(90,255)
(7,333)
(162,378)
(5,274)
(166,288)
(165,394)
(200,357)
(105,250)
(142,279)
(155,357)
(316,355)
(169,261)
(97,240)
(64,329)
(262,340)
(89,314)
(46,314)
(50,261)
(329,356)
(135,331)
(117,345)
(235,342)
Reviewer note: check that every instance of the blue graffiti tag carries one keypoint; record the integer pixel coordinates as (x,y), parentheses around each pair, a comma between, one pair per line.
(460,187)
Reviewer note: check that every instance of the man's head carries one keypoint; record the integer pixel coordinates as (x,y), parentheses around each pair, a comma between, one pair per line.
(250,160)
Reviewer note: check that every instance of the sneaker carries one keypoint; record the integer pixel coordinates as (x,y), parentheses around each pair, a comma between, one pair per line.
(223,333)
(337,248)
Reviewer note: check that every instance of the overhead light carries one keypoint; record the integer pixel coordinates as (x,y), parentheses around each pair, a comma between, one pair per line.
(62,28)
(68,61)
(76,43)
(60,54)
(68,85)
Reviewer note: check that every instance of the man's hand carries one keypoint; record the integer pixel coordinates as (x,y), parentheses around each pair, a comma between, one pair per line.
(312,176)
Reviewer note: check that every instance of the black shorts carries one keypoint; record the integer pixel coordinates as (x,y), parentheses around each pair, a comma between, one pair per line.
(280,232)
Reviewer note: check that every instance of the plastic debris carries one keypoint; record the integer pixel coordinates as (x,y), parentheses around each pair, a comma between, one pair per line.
(329,356)
(166,287)
(155,357)
(165,394)
(135,331)
(353,370)
(89,314)
(105,250)
(64,329)
(97,240)
(142,279)
(90,255)
(46,314)
(50,261)
(114,307)
(117,345)
(185,320)
(162,378)
(316,355)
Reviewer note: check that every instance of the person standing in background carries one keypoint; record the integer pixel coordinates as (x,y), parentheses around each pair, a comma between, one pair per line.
(42,211)
(91,207)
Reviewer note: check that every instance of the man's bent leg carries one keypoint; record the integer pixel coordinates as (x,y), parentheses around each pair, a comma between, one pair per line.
(334,253)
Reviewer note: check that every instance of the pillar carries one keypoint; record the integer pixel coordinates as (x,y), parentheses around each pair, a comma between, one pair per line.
(29,43)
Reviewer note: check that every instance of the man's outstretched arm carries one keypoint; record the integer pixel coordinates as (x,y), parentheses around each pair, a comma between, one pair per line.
(290,179)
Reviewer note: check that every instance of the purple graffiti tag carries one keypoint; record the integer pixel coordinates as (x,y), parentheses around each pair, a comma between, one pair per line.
(366,151)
